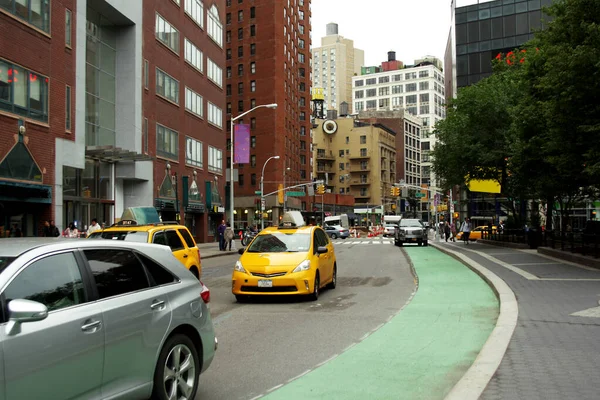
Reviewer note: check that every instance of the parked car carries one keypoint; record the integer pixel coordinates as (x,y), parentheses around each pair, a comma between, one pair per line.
(336,231)
(100,319)
(411,230)
(291,259)
(390,229)
(177,237)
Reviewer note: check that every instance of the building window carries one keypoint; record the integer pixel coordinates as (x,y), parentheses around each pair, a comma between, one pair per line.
(167,86)
(253,49)
(193,102)
(195,9)
(228,90)
(215,115)
(252,67)
(252,12)
(215,160)
(363,139)
(167,34)
(228,54)
(253,142)
(228,72)
(145,136)
(240,15)
(253,179)
(68,27)
(240,69)
(36,12)
(215,73)
(253,86)
(193,55)
(252,123)
(215,28)
(241,179)
(253,160)
(146,74)
(252,103)
(167,142)
(241,51)
(241,34)
(23,92)
(67,108)
(193,152)
(241,105)
(240,88)
(228,37)
(252,30)
(228,110)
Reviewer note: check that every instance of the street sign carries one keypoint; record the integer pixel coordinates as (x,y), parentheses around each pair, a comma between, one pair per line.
(419,194)
(258,192)
(263,204)
(296,194)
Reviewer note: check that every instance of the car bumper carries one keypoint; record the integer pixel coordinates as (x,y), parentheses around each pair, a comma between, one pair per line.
(289,284)
(411,238)
(344,235)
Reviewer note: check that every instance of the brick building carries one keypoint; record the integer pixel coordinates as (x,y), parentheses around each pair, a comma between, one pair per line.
(268,61)
(106,105)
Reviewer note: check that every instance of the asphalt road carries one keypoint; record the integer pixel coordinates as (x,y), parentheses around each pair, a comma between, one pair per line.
(269,341)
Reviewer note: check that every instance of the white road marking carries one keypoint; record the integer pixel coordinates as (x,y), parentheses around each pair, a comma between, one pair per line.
(593,312)
(506,265)
(275,388)
(540,263)
(326,361)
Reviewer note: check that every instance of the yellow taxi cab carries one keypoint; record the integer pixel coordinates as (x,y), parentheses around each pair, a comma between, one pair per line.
(476,233)
(291,259)
(143,226)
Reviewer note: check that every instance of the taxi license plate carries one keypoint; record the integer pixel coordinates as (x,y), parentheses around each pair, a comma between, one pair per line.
(265,283)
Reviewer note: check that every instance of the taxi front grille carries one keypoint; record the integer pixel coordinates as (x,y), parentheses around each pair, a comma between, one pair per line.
(274,289)
(273,275)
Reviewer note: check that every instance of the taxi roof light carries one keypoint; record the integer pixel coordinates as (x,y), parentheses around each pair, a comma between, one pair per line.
(292,219)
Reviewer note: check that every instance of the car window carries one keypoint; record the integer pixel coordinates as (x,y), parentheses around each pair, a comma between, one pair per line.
(116,272)
(189,240)
(279,242)
(132,236)
(173,240)
(411,223)
(54,281)
(158,274)
(322,237)
(160,238)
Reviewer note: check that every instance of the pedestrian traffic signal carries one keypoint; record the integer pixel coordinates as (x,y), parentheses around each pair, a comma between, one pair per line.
(320,189)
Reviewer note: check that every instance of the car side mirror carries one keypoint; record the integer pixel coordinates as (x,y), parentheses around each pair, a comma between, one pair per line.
(322,250)
(241,251)
(21,310)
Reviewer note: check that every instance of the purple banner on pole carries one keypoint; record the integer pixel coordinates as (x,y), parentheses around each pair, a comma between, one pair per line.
(241,144)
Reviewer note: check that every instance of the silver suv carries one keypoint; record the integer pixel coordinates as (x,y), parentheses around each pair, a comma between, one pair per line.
(410,231)
(100,319)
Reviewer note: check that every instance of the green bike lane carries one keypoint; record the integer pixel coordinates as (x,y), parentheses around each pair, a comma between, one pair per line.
(423,351)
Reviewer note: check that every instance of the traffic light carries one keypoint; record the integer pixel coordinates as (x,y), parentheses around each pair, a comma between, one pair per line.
(392,191)
(320,189)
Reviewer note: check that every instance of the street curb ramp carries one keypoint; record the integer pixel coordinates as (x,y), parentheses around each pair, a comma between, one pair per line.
(477,377)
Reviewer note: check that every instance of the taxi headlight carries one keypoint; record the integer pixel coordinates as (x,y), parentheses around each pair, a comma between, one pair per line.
(239,267)
(303,266)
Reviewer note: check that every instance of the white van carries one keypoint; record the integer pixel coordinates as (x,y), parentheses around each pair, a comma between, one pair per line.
(340,220)
(389,224)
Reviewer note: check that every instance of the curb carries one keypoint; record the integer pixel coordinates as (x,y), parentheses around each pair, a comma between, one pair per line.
(477,377)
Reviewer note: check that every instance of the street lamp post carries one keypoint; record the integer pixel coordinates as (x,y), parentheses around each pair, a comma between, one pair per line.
(231,185)
(284,196)
(262,191)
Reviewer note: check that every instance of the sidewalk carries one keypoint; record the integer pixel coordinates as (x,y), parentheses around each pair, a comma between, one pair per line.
(211,250)
(420,353)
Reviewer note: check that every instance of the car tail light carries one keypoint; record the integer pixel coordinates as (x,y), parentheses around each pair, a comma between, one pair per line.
(205,293)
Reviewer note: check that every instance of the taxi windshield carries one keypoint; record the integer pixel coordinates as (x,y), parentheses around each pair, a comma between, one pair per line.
(279,242)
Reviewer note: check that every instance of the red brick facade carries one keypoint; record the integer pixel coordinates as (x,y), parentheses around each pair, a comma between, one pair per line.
(285,131)
(43,53)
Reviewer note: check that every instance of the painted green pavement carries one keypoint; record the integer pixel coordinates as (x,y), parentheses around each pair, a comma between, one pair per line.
(420,353)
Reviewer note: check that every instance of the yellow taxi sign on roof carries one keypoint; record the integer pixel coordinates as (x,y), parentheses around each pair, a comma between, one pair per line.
(292,219)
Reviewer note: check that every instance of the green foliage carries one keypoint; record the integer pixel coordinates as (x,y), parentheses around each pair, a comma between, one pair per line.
(536,119)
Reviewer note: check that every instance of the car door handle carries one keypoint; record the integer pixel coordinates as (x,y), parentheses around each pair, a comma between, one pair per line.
(91,326)
(157,305)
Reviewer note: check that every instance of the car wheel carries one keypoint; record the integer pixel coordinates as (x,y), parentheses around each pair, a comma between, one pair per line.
(177,370)
(425,243)
(314,296)
(195,272)
(333,282)
(333,236)
(400,244)
(396,243)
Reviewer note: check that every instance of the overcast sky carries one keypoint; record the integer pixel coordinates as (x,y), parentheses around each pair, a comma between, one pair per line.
(411,28)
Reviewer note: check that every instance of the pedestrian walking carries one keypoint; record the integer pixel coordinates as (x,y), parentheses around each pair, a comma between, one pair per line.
(229,235)
(466,230)
(446,230)
(221,233)
(453,232)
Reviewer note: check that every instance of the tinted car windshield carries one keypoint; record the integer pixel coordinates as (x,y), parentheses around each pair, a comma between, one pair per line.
(279,242)
(411,223)
(132,236)
(5,262)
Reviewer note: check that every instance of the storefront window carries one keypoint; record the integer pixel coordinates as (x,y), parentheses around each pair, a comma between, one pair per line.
(88,180)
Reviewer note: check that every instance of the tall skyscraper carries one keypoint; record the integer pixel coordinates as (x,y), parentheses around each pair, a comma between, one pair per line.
(268,61)
(335,62)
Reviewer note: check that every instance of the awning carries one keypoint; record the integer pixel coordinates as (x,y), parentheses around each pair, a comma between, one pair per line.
(25,192)
(112,154)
